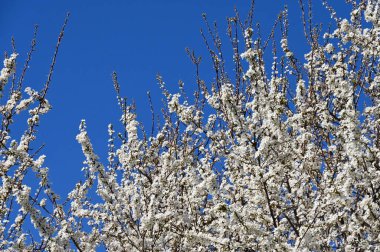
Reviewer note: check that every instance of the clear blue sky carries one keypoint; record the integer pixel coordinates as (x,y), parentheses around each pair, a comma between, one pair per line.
(136,38)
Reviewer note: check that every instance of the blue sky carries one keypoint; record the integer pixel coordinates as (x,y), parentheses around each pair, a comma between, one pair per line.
(138,39)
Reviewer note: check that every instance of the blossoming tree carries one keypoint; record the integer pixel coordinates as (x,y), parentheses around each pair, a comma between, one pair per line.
(281,156)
